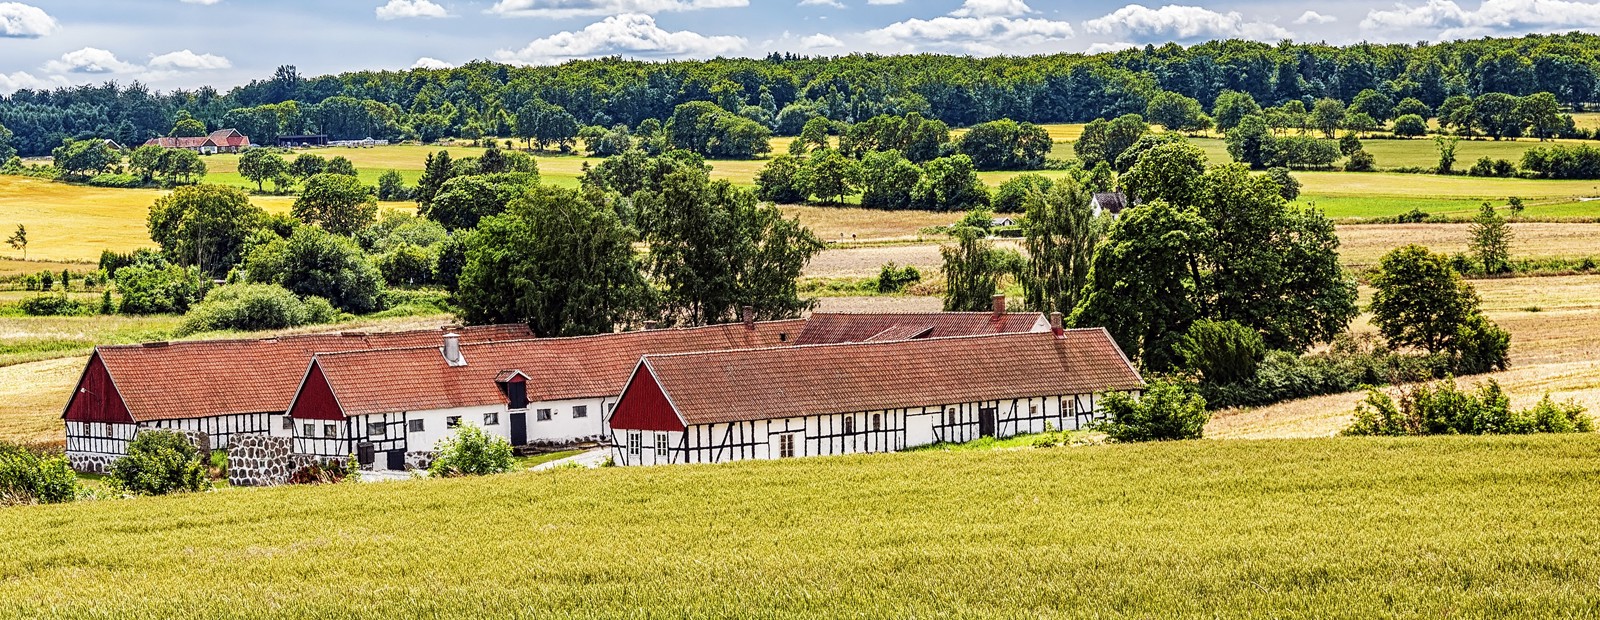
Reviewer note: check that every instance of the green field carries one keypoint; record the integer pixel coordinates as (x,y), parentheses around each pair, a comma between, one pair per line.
(1462,526)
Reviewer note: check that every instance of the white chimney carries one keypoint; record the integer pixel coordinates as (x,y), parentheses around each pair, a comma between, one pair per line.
(452,350)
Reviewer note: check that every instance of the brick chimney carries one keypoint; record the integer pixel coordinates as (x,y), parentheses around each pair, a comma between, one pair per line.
(999,306)
(650,325)
(452,350)
(1055,324)
(748,313)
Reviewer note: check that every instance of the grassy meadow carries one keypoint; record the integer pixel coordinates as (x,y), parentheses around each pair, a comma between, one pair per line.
(1447,526)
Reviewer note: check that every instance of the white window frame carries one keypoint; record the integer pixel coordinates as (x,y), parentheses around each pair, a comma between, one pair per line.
(786,446)
(543,415)
(663,445)
(330,430)
(491,418)
(634,439)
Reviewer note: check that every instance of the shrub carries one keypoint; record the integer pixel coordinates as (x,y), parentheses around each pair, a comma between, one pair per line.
(1443,408)
(893,278)
(124,181)
(152,288)
(1223,352)
(27,477)
(1481,346)
(1360,161)
(1166,411)
(407,265)
(253,307)
(54,305)
(158,463)
(472,452)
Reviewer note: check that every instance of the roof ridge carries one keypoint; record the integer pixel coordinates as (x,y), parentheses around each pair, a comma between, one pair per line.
(794,347)
(930,313)
(443,329)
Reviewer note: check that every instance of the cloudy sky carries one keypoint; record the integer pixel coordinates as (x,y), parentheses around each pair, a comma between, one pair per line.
(185,43)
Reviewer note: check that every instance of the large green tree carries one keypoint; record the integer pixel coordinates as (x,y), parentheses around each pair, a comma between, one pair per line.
(1419,300)
(261,165)
(1061,232)
(1141,286)
(204,226)
(556,259)
(315,262)
(338,203)
(1104,141)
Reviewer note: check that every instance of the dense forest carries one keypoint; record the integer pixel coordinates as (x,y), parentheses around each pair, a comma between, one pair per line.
(783,92)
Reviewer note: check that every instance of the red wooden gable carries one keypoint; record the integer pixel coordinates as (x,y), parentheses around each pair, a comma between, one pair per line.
(644,406)
(316,400)
(96,398)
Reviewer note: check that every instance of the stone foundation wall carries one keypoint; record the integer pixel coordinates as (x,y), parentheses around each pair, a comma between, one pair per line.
(91,463)
(420,461)
(263,460)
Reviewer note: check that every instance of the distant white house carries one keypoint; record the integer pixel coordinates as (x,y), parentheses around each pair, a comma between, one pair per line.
(363,143)
(1109,202)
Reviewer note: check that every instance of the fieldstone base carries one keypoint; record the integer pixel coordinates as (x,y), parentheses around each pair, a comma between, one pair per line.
(263,460)
(566,442)
(420,461)
(91,463)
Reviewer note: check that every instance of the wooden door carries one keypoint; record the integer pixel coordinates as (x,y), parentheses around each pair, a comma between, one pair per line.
(519,429)
(986,419)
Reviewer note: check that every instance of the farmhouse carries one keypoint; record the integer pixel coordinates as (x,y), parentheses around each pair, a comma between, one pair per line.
(1109,202)
(219,141)
(215,388)
(863,397)
(833,327)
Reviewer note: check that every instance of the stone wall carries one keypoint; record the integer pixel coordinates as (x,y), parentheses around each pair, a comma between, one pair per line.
(420,461)
(262,460)
(91,463)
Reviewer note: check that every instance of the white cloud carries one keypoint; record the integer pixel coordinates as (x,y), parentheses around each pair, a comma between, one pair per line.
(399,9)
(558,9)
(884,2)
(1450,21)
(89,60)
(992,8)
(22,79)
(1114,46)
(833,3)
(1313,17)
(1182,23)
(981,35)
(820,40)
(25,21)
(628,35)
(186,60)
(431,63)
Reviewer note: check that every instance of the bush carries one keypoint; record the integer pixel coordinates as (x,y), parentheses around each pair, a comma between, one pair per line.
(158,463)
(1349,364)
(1223,352)
(253,307)
(153,288)
(407,265)
(472,452)
(1360,161)
(1166,411)
(1481,346)
(54,305)
(27,477)
(1443,408)
(124,181)
(893,278)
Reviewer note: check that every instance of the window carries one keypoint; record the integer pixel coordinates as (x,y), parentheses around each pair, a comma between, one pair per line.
(877,421)
(377,429)
(542,415)
(950,416)
(633,443)
(1033,410)
(330,431)
(580,411)
(416,426)
(491,418)
(661,445)
(309,429)
(849,425)
(786,446)
(452,421)
(288,423)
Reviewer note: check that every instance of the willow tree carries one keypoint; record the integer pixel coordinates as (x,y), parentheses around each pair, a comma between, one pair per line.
(1061,233)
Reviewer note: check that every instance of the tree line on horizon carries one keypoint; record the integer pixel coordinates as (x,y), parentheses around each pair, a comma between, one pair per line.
(783,92)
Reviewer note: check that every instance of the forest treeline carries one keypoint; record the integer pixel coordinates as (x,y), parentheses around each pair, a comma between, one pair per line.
(784,91)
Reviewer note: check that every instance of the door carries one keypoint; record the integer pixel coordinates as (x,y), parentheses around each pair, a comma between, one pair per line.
(365,454)
(986,422)
(519,429)
(397,460)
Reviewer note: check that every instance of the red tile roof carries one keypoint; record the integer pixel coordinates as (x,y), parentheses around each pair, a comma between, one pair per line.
(179,143)
(229,137)
(832,328)
(728,386)
(203,378)
(418,379)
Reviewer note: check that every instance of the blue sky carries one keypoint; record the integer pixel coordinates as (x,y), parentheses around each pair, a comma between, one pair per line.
(185,43)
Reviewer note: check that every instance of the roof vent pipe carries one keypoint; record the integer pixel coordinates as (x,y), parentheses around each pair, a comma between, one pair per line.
(749,315)
(452,350)
(999,306)
(1055,323)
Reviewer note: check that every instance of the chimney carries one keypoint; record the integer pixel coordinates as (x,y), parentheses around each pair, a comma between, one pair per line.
(749,315)
(650,325)
(1055,324)
(999,306)
(452,350)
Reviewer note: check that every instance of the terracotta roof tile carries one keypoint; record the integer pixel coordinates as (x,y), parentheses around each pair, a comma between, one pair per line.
(831,328)
(202,378)
(418,379)
(729,386)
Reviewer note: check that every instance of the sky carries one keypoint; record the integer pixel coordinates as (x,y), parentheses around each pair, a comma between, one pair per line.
(224,43)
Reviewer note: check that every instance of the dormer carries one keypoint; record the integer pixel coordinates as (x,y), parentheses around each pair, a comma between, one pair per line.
(514,384)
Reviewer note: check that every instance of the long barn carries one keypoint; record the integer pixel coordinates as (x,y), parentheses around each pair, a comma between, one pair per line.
(865,397)
(213,388)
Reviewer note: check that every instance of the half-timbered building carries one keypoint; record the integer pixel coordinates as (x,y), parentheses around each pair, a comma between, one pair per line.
(215,388)
(880,396)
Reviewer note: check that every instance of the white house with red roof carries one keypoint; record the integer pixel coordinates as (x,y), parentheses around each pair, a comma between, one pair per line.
(219,141)
(214,388)
(878,396)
